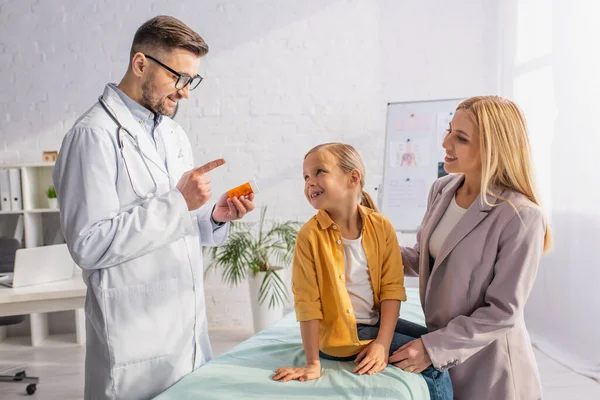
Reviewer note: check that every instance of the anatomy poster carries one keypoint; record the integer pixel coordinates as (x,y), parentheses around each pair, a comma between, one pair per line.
(410,153)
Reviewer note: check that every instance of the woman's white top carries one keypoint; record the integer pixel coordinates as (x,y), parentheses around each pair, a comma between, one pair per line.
(358,282)
(453,214)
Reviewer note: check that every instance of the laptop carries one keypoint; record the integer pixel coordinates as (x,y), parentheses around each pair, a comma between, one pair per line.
(39,265)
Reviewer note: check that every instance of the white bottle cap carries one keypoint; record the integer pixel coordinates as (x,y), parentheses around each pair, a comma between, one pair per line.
(253,185)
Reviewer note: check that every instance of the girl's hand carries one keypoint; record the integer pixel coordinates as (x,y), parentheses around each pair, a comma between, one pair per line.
(372,359)
(412,357)
(302,374)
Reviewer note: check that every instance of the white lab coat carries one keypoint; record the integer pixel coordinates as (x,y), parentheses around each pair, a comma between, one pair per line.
(141,258)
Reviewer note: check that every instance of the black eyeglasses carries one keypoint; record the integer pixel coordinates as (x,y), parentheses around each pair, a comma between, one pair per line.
(182,79)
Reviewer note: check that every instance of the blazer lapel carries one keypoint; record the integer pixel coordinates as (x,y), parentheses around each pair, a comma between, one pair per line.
(474,215)
(438,208)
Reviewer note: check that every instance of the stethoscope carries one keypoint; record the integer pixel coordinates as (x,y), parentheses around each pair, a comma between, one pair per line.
(136,144)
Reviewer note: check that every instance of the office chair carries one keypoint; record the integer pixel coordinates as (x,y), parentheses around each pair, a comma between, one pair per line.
(8,250)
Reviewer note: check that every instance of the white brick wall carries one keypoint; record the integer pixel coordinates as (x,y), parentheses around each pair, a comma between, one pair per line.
(281,76)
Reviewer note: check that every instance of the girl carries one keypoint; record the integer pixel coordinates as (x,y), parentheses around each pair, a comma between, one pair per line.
(477,254)
(347,276)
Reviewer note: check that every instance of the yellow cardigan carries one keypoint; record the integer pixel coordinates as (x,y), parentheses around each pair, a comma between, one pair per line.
(318,280)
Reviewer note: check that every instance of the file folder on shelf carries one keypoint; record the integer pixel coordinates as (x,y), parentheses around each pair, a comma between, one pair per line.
(4,190)
(16,201)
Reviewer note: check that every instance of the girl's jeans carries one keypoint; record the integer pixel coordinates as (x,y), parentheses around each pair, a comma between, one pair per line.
(438,382)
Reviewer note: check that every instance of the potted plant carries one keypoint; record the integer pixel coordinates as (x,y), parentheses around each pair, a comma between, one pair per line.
(258,251)
(52,200)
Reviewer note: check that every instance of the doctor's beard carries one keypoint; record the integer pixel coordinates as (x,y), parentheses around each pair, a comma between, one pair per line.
(155,103)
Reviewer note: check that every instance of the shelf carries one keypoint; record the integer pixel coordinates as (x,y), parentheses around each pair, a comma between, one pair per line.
(59,320)
(43,210)
(32,211)
(28,165)
(62,340)
(15,342)
(52,341)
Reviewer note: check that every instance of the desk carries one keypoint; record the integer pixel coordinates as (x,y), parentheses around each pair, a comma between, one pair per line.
(37,300)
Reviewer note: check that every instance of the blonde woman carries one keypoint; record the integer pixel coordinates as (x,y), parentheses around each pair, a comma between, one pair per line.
(477,254)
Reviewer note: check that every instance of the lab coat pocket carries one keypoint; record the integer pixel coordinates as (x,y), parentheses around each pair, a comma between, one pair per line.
(142,321)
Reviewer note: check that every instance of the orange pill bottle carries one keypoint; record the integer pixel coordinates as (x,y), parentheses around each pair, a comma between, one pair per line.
(243,190)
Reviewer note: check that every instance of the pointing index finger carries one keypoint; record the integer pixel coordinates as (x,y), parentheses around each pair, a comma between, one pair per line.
(210,166)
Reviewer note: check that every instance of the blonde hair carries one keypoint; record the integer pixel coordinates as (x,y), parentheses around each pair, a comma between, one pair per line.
(505,150)
(348,159)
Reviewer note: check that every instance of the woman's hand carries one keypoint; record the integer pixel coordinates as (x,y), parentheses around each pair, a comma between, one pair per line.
(302,374)
(412,357)
(372,359)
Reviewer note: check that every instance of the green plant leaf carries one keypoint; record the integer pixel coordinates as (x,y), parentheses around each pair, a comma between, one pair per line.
(234,258)
(253,247)
(273,288)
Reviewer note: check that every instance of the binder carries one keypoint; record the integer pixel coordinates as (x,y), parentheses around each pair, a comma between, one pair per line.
(16,201)
(4,190)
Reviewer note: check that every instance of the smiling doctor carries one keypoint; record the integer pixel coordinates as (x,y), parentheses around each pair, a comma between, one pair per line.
(135,214)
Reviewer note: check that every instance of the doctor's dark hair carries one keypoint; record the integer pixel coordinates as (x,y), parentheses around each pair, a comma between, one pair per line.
(167,33)
(348,159)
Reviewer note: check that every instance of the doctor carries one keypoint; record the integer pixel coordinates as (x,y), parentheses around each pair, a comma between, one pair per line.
(135,214)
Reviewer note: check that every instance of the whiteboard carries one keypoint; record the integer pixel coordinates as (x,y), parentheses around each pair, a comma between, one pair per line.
(413,158)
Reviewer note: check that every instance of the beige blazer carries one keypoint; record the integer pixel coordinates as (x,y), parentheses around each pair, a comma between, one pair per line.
(474,294)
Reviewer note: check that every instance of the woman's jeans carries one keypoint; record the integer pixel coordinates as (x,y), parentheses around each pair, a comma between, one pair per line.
(438,383)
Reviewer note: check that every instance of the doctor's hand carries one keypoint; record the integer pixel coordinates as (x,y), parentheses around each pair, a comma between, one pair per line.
(412,357)
(228,209)
(194,185)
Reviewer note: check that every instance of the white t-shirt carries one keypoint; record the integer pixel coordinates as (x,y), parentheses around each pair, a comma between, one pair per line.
(453,214)
(358,282)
